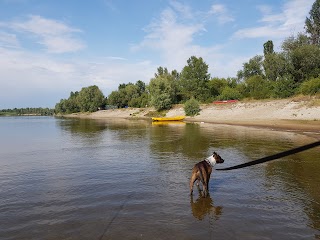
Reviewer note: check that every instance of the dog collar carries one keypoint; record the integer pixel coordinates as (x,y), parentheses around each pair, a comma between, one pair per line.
(209,162)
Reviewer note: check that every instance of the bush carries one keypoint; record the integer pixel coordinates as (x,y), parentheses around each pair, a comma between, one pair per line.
(192,107)
(310,87)
(284,87)
(257,87)
(229,93)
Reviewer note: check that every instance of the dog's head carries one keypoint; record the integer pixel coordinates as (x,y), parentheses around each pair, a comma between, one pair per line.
(214,158)
(217,157)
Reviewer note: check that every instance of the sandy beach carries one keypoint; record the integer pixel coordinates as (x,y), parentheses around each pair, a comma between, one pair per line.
(287,114)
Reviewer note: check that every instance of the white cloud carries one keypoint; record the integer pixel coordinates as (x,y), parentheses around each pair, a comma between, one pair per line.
(279,25)
(222,13)
(56,36)
(264,9)
(184,10)
(172,39)
(175,41)
(8,40)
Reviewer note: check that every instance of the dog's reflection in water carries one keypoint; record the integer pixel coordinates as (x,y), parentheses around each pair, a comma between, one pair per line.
(203,206)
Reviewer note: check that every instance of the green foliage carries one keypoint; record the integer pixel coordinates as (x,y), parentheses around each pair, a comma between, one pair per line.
(305,62)
(114,99)
(89,99)
(310,87)
(27,111)
(229,93)
(268,48)
(251,68)
(284,87)
(194,79)
(162,101)
(275,66)
(257,87)
(312,23)
(163,89)
(217,85)
(192,107)
(131,95)
(291,43)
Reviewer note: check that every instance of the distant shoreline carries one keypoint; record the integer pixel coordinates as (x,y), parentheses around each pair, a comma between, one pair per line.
(284,114)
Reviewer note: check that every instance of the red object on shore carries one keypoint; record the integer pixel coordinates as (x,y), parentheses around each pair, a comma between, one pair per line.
(225,101)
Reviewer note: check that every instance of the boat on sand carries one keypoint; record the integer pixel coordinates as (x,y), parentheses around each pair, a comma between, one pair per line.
(176,118)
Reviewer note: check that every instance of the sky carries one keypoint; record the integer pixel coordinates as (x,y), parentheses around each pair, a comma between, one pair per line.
(49,48)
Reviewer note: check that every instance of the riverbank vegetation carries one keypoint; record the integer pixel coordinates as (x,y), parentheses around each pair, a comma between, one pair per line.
(27,112)
(292,71)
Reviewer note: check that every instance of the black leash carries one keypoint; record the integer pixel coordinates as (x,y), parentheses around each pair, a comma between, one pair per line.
(273,157)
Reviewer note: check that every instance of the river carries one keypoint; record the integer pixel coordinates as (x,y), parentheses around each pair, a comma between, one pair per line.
(129,179)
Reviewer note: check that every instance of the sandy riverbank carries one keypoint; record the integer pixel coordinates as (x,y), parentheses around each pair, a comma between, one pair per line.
(286,114)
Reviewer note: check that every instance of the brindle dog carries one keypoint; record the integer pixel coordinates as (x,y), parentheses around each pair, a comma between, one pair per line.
(202,171)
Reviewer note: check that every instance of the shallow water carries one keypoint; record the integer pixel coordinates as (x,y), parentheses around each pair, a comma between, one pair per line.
(120,179)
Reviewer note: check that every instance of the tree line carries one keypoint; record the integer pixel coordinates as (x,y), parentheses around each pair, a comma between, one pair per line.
(293,70)
(27,111)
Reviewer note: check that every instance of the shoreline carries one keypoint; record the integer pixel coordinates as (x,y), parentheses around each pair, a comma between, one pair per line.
(284,114)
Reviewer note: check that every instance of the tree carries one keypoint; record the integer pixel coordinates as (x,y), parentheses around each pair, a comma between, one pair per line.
(275,66)
(194,79)
(284,87)
(305,61)
(268,48)
(291,43)
(131,95)
(141,87)
(90,99)
(229,93)
(257,87)
(162,90)
(251,68)
(312,23)
(216,85)
(114,99)
(302,57)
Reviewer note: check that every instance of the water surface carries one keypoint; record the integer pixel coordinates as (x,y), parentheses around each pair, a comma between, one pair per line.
(120,179)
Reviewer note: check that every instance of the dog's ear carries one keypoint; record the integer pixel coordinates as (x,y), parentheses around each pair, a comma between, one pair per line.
(214,153)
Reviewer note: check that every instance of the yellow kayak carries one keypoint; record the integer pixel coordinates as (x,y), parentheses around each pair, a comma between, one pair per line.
(177,118)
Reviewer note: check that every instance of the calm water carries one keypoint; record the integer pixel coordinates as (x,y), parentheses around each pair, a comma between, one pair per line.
(86,179)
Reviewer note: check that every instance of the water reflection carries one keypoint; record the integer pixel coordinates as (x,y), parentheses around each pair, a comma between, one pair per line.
(204,206)
(85,127)
(186,139)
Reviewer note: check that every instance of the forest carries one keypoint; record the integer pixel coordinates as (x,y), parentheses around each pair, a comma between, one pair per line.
(292,71)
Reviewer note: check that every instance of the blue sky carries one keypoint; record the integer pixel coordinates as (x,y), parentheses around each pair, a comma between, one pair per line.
(49,48)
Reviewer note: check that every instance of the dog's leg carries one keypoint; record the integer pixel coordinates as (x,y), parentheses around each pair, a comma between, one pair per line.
(198,185)
(207,182)
(192,180)
(205,188)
